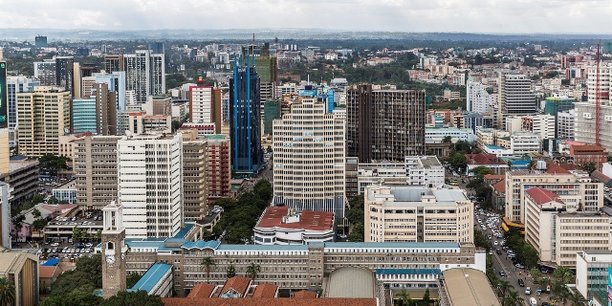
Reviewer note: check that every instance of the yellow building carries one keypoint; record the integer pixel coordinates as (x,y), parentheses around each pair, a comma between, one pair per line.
(22,270)
(43,116)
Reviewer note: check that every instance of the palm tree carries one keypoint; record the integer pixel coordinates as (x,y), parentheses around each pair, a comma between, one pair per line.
(404,298)
(7,292)
(576,299)
(207,263)
(503,286)
(512,299)
(252,271)
(231,271)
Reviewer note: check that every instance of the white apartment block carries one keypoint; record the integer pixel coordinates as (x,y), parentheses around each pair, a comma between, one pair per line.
(575,183)
(309,157)
(437,135)
(586,113)
(417,214)
(566,125)
(478,99)
(150,189)
(558,230)
(415,170)
(524,143)
(201,109)
(544,126)
(145,74)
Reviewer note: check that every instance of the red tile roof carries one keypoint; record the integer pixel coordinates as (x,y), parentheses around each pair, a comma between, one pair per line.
(201,291)
(494,177)
(599,176)
(239,284)
(47,272)
(555,169)
(500,186)
(542,196)
(269,302)
(304,294)
(483,159)
(310,220)
(586,149)
(265,291)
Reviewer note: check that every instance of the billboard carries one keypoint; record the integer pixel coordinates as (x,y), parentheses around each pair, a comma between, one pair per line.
(3,97)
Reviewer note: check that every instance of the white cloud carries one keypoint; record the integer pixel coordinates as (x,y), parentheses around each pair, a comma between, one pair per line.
(505,16)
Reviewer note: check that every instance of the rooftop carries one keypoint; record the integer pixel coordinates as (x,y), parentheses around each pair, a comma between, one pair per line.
(416,194)
(304,294)
(483,159)
(542,196)
(279,216)
(500,186)
(237,285)
(469,287)
(265,291)
(201,291)
(269,302)
(351,282)
(155,273)
(47,271)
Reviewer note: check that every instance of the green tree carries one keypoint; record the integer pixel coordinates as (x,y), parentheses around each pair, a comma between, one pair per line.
(252,270)
(355,213)
(77,234)
(447,139)
(511,299)
(140,298)
(426,298)
(588,167)
(503,287)
(40,224)
(36,213)
(82,295)
(7,292)
(481,171)
(231,271)
(53,163)
(458,161)
(356,234)
(207,263)
(404,298)
(88,273)
(131,279)
(537,275)
(463,146)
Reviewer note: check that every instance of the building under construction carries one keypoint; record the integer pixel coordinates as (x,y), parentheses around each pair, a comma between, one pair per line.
(591,123)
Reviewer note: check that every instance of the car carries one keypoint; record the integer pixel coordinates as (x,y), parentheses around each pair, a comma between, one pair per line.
(539,290)
(528,291)
(521,282)
(55,244)
(502,273)
(533,301)
(545,304)
(495,243)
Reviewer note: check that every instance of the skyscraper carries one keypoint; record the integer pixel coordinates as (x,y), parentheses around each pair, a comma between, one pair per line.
(145,74)
(309,157)
(83,115)
(40,41)
(150,186)
(478,99)
(245,118)
(516,97)
(45,72)
(114,62)
(4,122)
(385,125)
(105,109)
(586,113)
(15,85)
(43,116)
(205,105)
(194,180)
(64,73)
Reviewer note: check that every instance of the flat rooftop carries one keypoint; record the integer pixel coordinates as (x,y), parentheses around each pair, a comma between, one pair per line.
(469,287)
(277,216)
(430,162)
(416,193)
(351,282)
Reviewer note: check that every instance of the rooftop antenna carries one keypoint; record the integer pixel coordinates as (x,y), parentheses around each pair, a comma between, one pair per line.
(308,79)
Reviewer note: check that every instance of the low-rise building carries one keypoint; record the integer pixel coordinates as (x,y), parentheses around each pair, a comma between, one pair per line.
(66,193)
(279,225)
(22,177)
(487,160)
(586,153)
(437,135)
(525,142)
(417,214)
(21,270)
(415,170)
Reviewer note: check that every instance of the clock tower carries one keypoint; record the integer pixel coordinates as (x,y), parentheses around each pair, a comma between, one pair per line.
(113,250)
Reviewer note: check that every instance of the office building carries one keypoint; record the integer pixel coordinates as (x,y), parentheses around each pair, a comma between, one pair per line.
(245,118)
(478,99)
(555,105)
(415,171)
(544,126)
(114,63)
(566,125)
(84,116)
(555,179)
(385,124)
(195,191)
(525,143)
(15,85)
(40,41)
(592,270)
(64,73)
(145,74)
(45,72)
(150,184)
(95,171)
(586,114)
(21,270)
(417,214)
(22,178)
(516,96)
(43,115)
(5,216)
(281,226)
(157,47)
(437,135)
(205,106)
(557,228)
(87,84)
(272,110)
(218,167)
(105,109)
(309,170)
(116,83)
(4,121)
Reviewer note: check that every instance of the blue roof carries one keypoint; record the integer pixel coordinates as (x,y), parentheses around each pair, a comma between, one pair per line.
(420,245)
(494,147)
(144,243)
(51,262)
(148,281)
(257,247)
(201,244)
(184,231)
(308,93)
(408,271)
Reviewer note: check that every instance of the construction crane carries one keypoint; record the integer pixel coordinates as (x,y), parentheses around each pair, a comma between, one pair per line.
(597,97)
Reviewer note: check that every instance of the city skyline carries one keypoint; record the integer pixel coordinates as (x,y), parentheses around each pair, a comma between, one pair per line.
(355,15)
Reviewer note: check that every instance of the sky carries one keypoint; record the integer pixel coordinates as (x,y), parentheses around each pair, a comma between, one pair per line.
(475,16)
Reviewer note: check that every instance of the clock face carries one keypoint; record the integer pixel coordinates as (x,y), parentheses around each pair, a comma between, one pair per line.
(110,259)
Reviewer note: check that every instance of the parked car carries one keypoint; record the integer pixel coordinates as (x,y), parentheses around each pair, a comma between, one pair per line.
(521,283)
(528,291)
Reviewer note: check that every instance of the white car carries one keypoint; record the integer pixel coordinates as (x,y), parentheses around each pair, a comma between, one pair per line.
(495,243)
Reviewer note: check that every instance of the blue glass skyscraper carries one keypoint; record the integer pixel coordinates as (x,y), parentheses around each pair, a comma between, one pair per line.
(245,117)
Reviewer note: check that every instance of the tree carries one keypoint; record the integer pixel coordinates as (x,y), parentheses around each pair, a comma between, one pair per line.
(131,279)
(53,163)
(537,275)
(207,263)
(463,146)
(511,299)
(481,171)
(231,271)
(36,213)
(447,139)
(355,212)
(80,296)
(7,292)
(140,298)
(588,167)
(576,299)
(40,224)
(253,270)
(356,234)
(426,298)
(458,161)
(404,298)
(77,234)
(87,274)
(503,286)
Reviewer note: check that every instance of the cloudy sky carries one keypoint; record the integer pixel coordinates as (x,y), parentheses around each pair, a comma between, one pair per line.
(481,16)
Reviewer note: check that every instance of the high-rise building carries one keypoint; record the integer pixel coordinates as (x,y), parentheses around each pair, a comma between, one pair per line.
(43,115)
(4,122)
(84,116)
(150,185)
(245,118)
(205,105)
(309,157)
(45,72)
(5,216)
(40,41)
(566,124)
(157,47)
(64,73)
(516,96)
(145,74)
(385,124)
(15,85)
(113,63)
(194,180)
(272,110)
(417,214)
(95,171)
(219,172)
(478,99)
(586,114)
(105,109)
